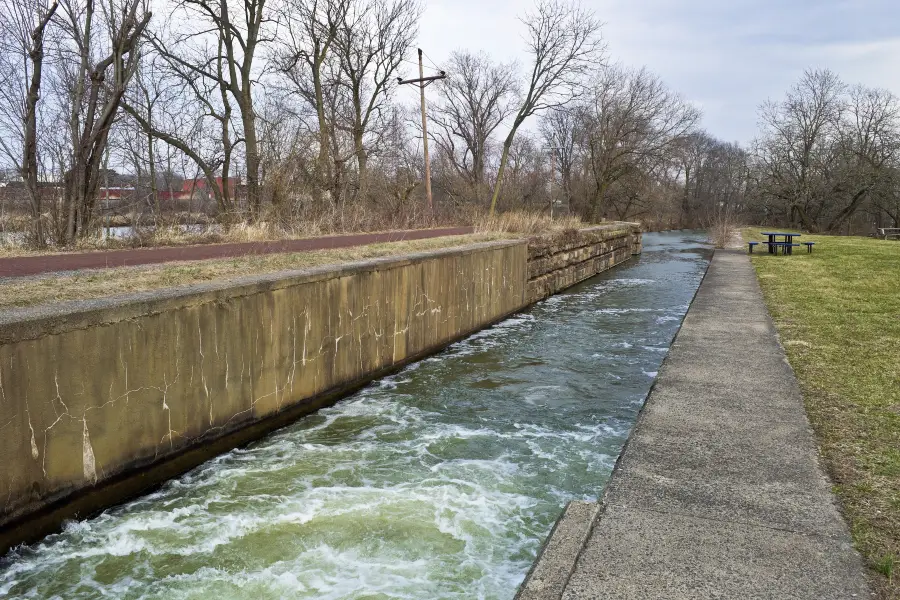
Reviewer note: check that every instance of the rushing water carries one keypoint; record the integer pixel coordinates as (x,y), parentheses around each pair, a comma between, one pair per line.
(438,482)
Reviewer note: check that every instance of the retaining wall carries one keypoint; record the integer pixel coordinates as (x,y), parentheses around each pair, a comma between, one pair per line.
(104,399)
(558,262)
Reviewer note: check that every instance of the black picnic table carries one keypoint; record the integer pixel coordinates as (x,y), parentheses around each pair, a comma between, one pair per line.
(773,243)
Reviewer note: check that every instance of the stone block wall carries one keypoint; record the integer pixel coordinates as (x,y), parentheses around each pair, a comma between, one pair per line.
(560,261)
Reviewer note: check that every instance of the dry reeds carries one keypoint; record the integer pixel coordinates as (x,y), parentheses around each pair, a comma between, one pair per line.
(526,223)
(723,226)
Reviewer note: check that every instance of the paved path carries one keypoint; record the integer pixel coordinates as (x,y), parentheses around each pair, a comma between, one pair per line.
(719,493)
(49,263)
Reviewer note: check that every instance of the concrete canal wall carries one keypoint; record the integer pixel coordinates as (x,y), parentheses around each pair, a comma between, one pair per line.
(104,399)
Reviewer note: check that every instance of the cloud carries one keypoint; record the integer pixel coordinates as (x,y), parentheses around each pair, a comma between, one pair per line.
(727,56)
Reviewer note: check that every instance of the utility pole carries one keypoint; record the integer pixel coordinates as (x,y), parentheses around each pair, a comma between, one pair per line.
(422,82)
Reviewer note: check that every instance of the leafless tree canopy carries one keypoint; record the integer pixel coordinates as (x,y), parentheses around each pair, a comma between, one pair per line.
(565,48)
(289,111)
(477,98)
(825,151)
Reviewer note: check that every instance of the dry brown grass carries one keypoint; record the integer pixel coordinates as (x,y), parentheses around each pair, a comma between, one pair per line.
(176,235)
(173,232)
(723,228)
(527,223)
(29,291)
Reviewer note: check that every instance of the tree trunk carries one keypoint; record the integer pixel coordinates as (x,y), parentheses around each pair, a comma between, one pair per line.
(845,214)
(686,220)
(29,153)
(324,165)
(598,202)
(805,221)
(504,158)
(362,159)
(154,189)
(251,147)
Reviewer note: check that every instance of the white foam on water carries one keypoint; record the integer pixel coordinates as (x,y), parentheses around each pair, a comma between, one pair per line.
(623,311)
(631,281)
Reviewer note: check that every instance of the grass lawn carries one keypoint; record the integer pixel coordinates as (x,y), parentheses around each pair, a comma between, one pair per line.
(837,311)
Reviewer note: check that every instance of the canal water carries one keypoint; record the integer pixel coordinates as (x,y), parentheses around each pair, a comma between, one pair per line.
(439,482)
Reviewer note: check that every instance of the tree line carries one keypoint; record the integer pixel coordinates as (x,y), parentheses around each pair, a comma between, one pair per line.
(299,100)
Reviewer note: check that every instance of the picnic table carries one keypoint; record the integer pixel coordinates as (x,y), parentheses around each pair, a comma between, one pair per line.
(787,245)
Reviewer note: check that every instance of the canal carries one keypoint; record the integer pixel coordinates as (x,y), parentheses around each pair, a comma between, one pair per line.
(438,482)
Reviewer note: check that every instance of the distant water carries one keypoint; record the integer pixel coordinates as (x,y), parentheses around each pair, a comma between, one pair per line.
(439,482)
(126,231)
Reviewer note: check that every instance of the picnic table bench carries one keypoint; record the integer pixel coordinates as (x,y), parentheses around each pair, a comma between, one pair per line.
(888,232)
(786,246)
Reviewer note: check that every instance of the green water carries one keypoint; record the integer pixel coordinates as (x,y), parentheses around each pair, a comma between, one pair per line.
(439,482)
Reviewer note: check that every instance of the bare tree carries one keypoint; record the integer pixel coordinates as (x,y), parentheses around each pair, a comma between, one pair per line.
(715,178)
(371,43)
(94,89)
(561,130)
(797,140)
(311,30)
(476,98)
(22,33)
(230,62)
(565,45)
(868,145)
(633,123)
(174,104)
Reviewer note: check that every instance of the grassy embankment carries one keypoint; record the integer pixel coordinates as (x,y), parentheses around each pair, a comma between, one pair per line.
(29,291)
(837,311)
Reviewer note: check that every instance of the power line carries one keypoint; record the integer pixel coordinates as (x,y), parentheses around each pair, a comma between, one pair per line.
(412,62)
(432,62)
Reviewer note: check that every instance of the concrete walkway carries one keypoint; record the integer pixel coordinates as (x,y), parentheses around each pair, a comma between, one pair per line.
(718,493)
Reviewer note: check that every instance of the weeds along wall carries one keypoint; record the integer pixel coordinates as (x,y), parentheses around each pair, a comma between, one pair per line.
(104,399)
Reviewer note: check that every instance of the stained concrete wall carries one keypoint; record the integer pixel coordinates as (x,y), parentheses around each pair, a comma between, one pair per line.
(103,399)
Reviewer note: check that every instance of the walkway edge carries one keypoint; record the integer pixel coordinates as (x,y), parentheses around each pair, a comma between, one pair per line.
(559,554)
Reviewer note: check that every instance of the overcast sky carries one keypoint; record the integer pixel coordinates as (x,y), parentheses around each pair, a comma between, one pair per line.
(726,56)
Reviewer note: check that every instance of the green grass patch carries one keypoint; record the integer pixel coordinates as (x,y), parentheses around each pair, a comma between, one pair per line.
(837,311)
